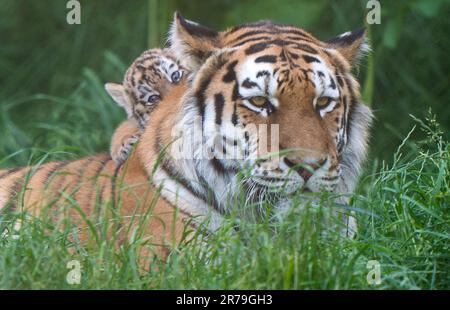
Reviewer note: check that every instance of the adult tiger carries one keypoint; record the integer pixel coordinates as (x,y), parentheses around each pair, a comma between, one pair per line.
(260,73)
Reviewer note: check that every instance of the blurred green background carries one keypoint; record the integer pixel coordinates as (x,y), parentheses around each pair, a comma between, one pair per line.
(52,73)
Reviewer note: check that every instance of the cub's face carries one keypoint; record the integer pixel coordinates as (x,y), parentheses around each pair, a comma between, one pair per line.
(277,101)
(150,79)
(147,81)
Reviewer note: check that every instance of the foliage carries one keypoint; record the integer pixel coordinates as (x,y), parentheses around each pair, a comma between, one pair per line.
(404,224)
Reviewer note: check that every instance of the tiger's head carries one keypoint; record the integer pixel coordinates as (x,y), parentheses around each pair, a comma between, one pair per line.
(278,77)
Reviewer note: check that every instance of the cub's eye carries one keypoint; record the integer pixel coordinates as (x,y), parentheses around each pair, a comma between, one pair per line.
(153,99)
(258,101)
(176,76)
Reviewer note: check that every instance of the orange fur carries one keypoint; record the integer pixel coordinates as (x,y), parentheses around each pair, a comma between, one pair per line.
(122,135)
(57,190)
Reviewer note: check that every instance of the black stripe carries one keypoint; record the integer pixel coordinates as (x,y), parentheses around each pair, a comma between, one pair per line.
(210,195)
(249,84)
(56,171)
(11,204)
(301,36)
(50,175)
(248,34)
(266,58)
(9,172)
(94,181)
(271,26)
(306,48)
(81,172)
(204,83)
(283,56)
(133,80)
(230,76)
(172,172)
(297,31)
(63,179)
(293,55)
(250,25)
(344,117)
(351,106)
(339,79)
(52,171)
(259,47)
(281,42)
(18,186)
(118,224)
(256,48)
(336,62)
(103,163)
(302,39)
(310,59)
(219,103)
(234,98)
(263,72)
(251,40)
(114,185)
(200,94)
(332,83)
(246,107)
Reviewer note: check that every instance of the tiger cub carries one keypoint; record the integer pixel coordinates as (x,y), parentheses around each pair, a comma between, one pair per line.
(146,82)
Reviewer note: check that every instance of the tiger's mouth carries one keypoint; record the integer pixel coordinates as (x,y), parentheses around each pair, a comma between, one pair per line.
(287,185)
(280,185)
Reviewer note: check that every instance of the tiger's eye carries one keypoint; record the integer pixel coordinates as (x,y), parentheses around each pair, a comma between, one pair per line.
(176,76)
(323,102)
(258,101)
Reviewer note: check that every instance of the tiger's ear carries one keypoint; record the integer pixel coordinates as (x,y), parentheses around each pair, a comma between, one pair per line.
(353,45)
(190,42)
(117,92)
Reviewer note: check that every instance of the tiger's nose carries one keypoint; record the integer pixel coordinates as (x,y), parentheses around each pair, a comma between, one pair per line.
(303,169)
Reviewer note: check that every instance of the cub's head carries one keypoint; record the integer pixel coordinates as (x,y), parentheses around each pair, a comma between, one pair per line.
(274,98)
(147,81)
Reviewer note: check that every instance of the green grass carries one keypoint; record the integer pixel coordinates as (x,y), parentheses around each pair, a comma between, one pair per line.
(404,224)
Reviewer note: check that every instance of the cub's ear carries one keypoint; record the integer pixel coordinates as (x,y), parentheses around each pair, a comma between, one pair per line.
(190,42)
(353,45)
(117,92)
